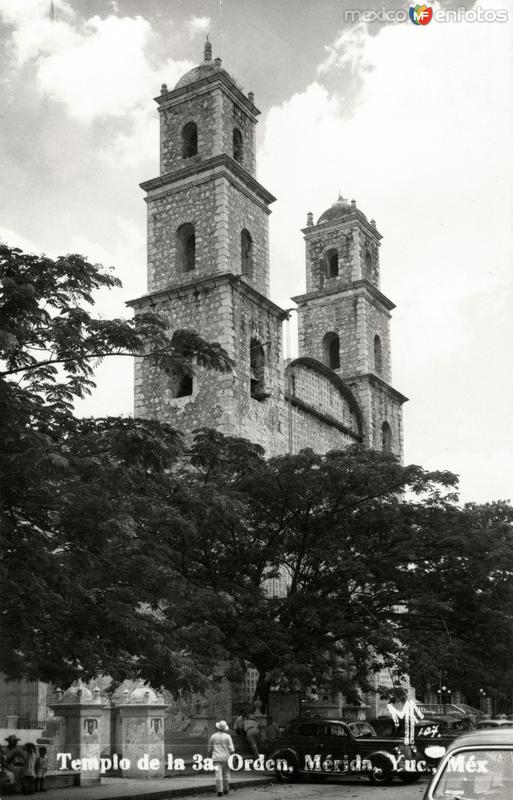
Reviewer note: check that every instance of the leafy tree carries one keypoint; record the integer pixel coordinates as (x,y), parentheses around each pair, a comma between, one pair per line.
(334,528)
(78,573)
(460,620)
(126,551)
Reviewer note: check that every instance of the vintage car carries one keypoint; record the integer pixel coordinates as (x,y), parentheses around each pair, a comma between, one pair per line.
(319,748)
(476,766)
(499,722)
(440,731)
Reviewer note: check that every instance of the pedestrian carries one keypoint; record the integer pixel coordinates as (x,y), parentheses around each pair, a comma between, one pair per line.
(29,770)
(221,747)
(15,759)
(247,724)
(41,769)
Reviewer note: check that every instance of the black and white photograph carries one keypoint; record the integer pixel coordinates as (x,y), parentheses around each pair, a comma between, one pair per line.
(256,399)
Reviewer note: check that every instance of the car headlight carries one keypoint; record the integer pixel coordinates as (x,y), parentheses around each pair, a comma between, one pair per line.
(434,751)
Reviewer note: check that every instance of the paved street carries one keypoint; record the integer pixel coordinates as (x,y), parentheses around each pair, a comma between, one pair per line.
(341,790)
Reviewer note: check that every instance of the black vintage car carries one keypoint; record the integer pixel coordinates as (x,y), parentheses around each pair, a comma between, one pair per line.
(439,731)
(319,748)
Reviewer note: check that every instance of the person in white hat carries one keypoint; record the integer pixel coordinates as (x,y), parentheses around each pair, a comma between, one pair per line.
(221,747)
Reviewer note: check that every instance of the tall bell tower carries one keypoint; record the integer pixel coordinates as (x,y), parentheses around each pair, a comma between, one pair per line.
(208,261)
(344,319)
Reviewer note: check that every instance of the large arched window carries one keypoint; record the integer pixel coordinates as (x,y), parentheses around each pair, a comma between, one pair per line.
(246,253)
(185,248)
(331,260)
(368,265)
(189,139)
(237,145)
(331,345)
(386,437)
(257,370)
(378,355)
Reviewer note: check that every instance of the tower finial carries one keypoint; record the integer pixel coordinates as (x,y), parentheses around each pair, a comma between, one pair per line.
(207,50)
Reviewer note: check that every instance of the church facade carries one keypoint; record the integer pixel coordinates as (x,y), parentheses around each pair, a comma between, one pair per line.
(208,271)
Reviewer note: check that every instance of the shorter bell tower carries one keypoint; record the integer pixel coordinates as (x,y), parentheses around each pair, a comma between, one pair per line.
(344,319)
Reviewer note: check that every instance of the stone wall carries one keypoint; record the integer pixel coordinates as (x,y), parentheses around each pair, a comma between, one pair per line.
(234,116)
(261,421)
(225,312)
(369,244)
(216,115)
(379,404)
(244,212)
(192,203)
(344,241)
(325,314)
(377,322)
(219,211)
(27,699)
(203,108)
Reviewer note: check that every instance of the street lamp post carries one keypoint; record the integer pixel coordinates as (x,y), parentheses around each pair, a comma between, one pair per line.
(444,694)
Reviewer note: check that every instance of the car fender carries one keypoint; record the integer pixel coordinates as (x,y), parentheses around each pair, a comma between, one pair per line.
(287,753)
(383,754)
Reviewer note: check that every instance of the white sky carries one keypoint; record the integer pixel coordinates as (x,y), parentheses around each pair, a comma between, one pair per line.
(414,122)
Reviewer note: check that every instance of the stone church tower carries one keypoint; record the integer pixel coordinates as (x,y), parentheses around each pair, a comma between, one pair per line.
(344,319)
(208,261)
(208,270)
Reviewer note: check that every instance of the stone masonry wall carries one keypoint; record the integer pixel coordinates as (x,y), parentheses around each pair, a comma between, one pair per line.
(327,314)
(190,203)
(226,315)
(309,431)
(243,212)
(342,240)
(356,321)
(233,116)
(204,109)
(378,323)
(263,422)
(378,405)
(319,393)
(208,311)
(369,244)
(215,115)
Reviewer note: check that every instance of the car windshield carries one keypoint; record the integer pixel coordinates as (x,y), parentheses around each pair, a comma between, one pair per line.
(359,729)
(476,774)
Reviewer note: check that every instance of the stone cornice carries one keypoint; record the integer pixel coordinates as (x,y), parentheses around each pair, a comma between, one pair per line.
(183,93)
(221,165)
(379,382)
(348,220)
(343,288)
(211,282)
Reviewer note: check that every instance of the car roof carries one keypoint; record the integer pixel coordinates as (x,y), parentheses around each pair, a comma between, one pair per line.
(487,736)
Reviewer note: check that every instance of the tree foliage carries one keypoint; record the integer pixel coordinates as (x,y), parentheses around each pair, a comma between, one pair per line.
(127,551)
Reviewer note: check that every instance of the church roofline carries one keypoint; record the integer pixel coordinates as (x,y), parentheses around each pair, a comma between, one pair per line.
(212,281)
(355,215)
(372,378)
(301,299)
(220,162)
(336,380)
(182,93)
